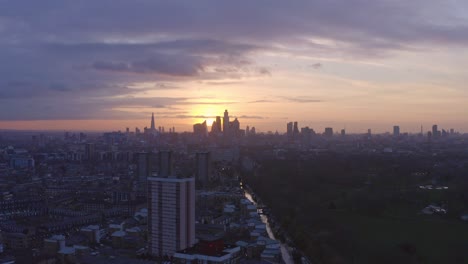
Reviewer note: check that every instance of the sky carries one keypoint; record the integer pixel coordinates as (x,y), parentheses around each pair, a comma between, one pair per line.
(354,64)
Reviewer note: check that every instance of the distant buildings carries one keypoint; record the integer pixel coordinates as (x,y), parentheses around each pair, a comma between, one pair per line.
(90,151)
(144,169)
(165,163)
(200,129)
(152,128)
(396,131)
(292,130)
(226,123)
(230,129)
(435,132)
(216,126)
(328,132)
(202,167)
(295,130)
(289,129)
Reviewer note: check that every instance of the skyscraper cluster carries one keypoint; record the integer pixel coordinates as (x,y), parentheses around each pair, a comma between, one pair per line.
(223,127)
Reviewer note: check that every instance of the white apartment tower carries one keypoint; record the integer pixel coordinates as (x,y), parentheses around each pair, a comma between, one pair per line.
(171,223)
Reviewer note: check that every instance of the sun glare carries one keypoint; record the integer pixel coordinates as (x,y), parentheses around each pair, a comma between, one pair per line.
(206,112)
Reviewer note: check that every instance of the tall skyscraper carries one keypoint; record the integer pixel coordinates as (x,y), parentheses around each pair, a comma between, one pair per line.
(216,126)
(435,131)
(153,128)
(296,129)
(226,123)
(171,215)
(396,131)
(234,127)
(328,132)
(203,167)
(289,129)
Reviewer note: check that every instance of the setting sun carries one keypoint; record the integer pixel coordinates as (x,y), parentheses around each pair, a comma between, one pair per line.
(201,113)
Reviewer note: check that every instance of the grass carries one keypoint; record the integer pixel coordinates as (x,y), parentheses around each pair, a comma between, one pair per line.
(380,237)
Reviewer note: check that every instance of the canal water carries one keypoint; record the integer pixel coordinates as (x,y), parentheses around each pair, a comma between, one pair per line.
(284,248)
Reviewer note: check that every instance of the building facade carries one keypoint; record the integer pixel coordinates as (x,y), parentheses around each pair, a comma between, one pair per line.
(171,212)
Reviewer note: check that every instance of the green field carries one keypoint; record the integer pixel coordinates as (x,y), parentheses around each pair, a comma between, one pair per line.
(434,241)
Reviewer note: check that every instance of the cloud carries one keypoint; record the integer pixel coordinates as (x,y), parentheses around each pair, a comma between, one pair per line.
(176,66)
(300,99)
(166,86)
(251,117)
(261,101)
(67,59)
(316,66)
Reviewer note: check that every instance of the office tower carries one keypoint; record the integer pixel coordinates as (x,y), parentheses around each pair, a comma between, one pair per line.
(89,151)
(252,131)
(234,127)
(165,164)
(200,129)
(218,123)
(171,215)
(369,132)
(247,130)
(452,131)
(144,169)
(435,131)
(226,123)
(396,131)
(295,129)
(203,167)
(444,132)
(328,132)
(289,129)
(306,134)
(214,128)
(343,132)
(153,128)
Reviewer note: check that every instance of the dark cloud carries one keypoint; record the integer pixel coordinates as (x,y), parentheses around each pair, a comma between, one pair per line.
(316,66)
(175,65)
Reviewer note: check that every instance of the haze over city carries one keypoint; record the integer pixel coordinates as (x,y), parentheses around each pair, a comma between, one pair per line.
(107,65)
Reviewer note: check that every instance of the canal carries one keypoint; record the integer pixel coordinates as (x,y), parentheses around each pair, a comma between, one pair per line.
(284,248)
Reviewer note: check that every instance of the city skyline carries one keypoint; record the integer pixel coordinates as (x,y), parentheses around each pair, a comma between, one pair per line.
(319,128)
(353,64)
